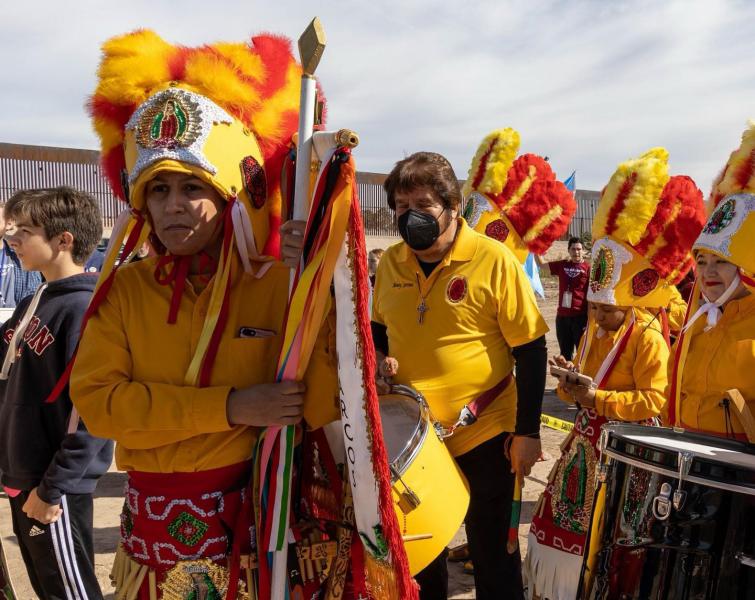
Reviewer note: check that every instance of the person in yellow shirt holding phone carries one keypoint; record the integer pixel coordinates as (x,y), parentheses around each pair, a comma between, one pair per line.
(643,230)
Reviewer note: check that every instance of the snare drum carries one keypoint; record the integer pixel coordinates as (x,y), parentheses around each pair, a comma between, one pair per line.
(679,518)
(429,492)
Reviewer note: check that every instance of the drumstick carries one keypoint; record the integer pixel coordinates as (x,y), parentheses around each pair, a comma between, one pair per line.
(516,506)
(417,537)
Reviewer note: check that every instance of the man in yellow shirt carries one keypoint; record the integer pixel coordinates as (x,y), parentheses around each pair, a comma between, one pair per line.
(179,355)
(454,311)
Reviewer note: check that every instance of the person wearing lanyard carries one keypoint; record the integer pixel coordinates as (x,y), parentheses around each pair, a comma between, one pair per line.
(571,316)
(453,313)
(15,283)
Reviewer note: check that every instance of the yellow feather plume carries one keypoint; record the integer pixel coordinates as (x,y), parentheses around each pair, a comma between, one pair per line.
(213,77)
(133,67)
(729,182)
(650,173)
(501,147)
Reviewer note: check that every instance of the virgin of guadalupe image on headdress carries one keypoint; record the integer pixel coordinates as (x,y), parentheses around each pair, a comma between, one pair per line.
(169,125)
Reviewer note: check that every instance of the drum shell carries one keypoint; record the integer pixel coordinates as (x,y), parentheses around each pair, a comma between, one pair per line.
(695,552)
(426,467)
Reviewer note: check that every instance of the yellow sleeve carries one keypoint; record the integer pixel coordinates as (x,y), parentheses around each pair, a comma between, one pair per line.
(321,399)
(518,314)
(677,310)
(139,415)
(377,314)
(650,381)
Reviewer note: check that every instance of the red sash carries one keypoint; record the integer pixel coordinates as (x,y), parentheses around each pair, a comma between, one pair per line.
(170,517)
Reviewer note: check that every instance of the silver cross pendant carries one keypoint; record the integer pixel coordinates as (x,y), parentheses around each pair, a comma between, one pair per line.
(421,310)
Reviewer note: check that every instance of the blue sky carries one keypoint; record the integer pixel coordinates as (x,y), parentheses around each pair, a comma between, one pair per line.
(587,83)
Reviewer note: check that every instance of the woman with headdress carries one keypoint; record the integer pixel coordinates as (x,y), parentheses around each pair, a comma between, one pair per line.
(180,352)
(643,230)
(716,350)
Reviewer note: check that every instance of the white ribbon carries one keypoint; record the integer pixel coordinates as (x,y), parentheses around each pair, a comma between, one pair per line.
(244,234)
(712,310)
(18,334)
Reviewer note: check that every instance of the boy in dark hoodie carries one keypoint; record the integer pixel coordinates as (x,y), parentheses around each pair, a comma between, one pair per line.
(49,463)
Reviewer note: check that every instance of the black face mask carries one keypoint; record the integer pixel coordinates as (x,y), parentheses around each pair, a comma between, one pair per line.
(418,229)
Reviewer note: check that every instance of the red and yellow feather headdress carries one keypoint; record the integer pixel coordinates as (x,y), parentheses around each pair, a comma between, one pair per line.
(517,201)
(730,231)
(256,84)
(643,231)
(225,113)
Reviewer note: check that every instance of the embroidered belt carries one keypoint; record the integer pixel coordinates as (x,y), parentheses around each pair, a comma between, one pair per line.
(172,517)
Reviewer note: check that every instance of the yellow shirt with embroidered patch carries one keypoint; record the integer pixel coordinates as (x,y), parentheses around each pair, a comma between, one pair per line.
(479,306)
(719,359)
(128,379)
(635,388)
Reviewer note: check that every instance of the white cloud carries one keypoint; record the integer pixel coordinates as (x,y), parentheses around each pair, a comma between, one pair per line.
(587,83)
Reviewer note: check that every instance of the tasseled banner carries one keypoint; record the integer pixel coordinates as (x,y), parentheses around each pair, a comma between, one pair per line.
(394,580)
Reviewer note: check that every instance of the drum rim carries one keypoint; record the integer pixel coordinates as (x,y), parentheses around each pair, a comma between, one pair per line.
(413,445)
(621,430)
(675,474)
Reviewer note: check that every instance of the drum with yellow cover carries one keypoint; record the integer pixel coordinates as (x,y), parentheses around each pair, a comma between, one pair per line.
(430,493)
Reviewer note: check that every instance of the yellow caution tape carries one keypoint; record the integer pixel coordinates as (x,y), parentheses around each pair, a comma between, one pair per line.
(555,423)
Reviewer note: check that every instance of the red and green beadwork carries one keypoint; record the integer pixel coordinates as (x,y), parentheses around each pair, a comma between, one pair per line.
(187,529)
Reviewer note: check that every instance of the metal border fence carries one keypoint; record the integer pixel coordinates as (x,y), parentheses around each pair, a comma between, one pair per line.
(24,166)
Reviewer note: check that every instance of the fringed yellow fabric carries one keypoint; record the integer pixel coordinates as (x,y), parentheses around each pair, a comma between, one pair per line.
(381,580)
(128,575)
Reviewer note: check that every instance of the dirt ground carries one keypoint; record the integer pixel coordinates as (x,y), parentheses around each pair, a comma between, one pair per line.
(109,499)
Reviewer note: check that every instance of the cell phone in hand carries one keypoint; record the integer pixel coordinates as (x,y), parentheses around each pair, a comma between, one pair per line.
(573,377)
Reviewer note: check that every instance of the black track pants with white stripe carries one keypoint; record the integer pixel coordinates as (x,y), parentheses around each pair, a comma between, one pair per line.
(59,557)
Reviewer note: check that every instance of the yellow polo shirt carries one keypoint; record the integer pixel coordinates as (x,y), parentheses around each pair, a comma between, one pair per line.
(128,379)
(719,359)
(479,306)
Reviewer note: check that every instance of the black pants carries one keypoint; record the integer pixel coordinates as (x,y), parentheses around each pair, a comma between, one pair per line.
(59,557)
(568,332)
(497,574)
